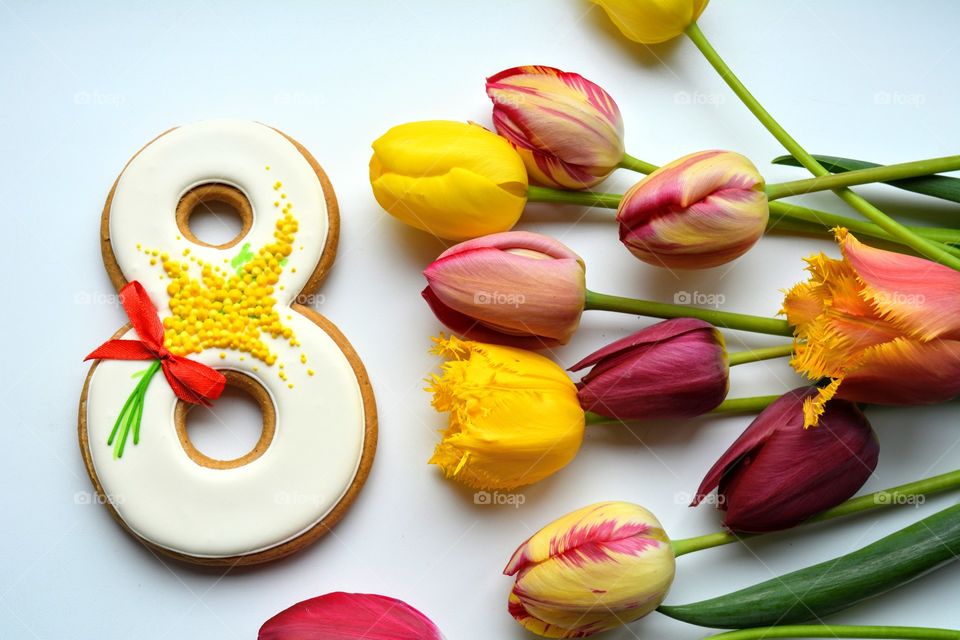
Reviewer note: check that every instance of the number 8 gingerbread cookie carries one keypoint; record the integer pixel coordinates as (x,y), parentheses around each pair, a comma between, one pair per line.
(202,317)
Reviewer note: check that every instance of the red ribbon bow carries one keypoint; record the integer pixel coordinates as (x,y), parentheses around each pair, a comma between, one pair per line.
(190,380)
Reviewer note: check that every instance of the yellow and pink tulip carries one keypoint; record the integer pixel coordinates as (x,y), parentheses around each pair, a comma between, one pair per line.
(517,288)
(594,569)
(567,129)
(883,326)
(699,211)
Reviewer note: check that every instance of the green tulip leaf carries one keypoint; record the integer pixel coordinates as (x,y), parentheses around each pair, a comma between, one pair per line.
(943,187)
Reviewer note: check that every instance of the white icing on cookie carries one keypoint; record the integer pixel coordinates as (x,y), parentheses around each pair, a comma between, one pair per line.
(160,493)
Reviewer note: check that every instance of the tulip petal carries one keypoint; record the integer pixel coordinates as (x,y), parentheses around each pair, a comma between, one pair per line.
(349,616)
(918,295)
(905,372)
(517,241)
(652,21)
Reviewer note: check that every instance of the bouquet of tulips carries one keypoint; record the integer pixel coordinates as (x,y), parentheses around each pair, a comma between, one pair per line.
(872,326)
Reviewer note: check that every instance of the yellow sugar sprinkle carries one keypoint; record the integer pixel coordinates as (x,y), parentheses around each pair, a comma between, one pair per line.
(293,269)
(179,238)
(276,203)
(309,372)
(277,185)
(303,358)
(283,196)
(223,356)
(256,368)
(153,261)
(138,246)
(290,385)
(267,167)
(186,251)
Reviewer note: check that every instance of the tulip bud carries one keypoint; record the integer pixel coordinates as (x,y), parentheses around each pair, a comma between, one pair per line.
(517,288)
(347,616)
(672,370)
(595,569)
(777,474)
(514,415)
(652,21)
(452,179)
(700,211)
(567,129)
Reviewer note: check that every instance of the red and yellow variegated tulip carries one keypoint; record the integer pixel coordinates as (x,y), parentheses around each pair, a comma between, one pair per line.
(652,21)
(348,616)
(883,326)
(671,370)
(594,569)
(517,288)
(567,129)
(514,415)
(699,211)
(778,474)
(452,179)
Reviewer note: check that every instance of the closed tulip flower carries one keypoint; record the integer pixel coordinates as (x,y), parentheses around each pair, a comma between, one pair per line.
(514,415)
(348,616)
(673,369)
(778,474)
(516,288)
(452,179)
(883,326)
(594,569)
(699,211)
(652,21)
(567,129)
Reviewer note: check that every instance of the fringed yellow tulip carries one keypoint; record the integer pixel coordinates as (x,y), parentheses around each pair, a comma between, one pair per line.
(652,21)
(452,179)
(514,415)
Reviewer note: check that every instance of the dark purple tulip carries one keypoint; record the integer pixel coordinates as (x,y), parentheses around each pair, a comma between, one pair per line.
(673,369)
(777,474)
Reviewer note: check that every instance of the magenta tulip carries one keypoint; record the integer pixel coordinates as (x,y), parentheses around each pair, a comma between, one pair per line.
(673,369)
(347,616)
(515,288)
(778,474)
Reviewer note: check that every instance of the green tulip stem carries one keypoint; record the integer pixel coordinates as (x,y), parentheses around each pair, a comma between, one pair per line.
(636,164)
(898,495)
(884,173)
(754,355)
(721,319)
(753,404)
(838,631)
(584,198)
(924,247)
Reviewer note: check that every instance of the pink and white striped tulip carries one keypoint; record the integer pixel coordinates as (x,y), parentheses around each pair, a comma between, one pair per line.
(700,211)
(594,569)
(515,288)
(348,616)
(567,129)
(674,369)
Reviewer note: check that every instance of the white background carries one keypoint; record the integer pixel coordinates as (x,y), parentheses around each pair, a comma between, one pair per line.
(86,85)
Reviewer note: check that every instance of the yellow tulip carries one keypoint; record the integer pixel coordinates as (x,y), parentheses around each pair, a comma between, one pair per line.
(652,21)
(452,179)
(514,415)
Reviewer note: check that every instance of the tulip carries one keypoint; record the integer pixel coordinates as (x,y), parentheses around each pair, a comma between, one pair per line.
(567,129)
(347,616)
(594,569)
(672,370)
(883,326)
(778,474)
(451,179)
(514,415)
(699,211)
(652,21)
(516,288)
